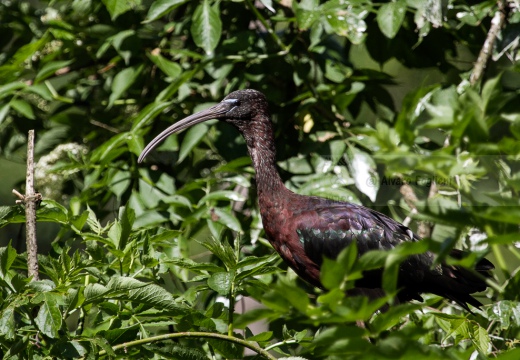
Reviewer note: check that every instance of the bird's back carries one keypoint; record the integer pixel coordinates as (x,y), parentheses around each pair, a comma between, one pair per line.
(309,228)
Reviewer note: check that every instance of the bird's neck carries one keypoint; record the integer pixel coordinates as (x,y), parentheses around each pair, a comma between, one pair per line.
(260,144)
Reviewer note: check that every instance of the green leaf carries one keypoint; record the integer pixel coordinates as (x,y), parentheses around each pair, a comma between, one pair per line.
(7,323)
(7,256)
(390,17)
(220,282)
(49,318)
(23,108)
(126,219)
(106,151)
(193,136)
(122,81)
(119,336)
(50,68)
(145,293)
(223,251)
(52,211)
(512,354)
(261,337)
(162,7)
(333,272)
(94,292)
(225,217)
(118,7)
(346,23)
(170,68)
(148,113)
(206,26)
(385,320)
(194,266)
(306,18)
(340,340)
(10,88)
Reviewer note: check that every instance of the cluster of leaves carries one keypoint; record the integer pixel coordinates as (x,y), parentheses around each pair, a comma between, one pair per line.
(366,97)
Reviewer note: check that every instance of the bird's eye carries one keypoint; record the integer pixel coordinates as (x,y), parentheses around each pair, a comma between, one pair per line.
(235,102)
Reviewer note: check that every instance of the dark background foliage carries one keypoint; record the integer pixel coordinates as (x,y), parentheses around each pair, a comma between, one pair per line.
(372,103)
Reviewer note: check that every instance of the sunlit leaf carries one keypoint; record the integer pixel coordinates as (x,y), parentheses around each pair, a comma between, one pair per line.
(390,17)
(206,26)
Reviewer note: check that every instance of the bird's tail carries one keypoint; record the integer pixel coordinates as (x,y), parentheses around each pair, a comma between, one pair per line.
(458,283)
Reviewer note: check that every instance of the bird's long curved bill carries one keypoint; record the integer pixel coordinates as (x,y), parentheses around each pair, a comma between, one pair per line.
(214,112)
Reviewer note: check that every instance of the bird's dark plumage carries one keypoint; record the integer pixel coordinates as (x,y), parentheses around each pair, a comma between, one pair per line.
(304,229)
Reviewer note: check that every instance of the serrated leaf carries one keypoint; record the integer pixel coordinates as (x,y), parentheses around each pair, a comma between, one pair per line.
(194,266)
(206,26)
(7,323)
(49,318)
(95,291)
(145,293)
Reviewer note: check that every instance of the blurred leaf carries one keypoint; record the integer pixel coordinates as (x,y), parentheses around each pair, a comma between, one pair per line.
(363,169)
(170,68)
(118,7)
(50,68)
(23,108)
(221,195)
(161,7)
(122,81)
(193,136)
(390,17)
(226,218)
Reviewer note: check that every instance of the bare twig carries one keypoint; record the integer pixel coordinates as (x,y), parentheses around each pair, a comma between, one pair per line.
(30,199)
(496,24)
(425,228)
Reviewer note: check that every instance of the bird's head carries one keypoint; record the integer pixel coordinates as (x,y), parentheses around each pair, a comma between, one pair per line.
(238,108)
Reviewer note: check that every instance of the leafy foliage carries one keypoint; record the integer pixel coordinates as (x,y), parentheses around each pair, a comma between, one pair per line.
(369,100)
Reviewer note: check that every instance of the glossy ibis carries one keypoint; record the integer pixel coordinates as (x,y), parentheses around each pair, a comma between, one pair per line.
(303,229)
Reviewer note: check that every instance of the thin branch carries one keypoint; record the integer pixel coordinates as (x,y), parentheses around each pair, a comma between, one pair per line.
(496,25)
(30,199)
(195,334)
(425,228)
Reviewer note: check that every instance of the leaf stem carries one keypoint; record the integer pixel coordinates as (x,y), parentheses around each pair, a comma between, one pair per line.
(195,334)
(278,344)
